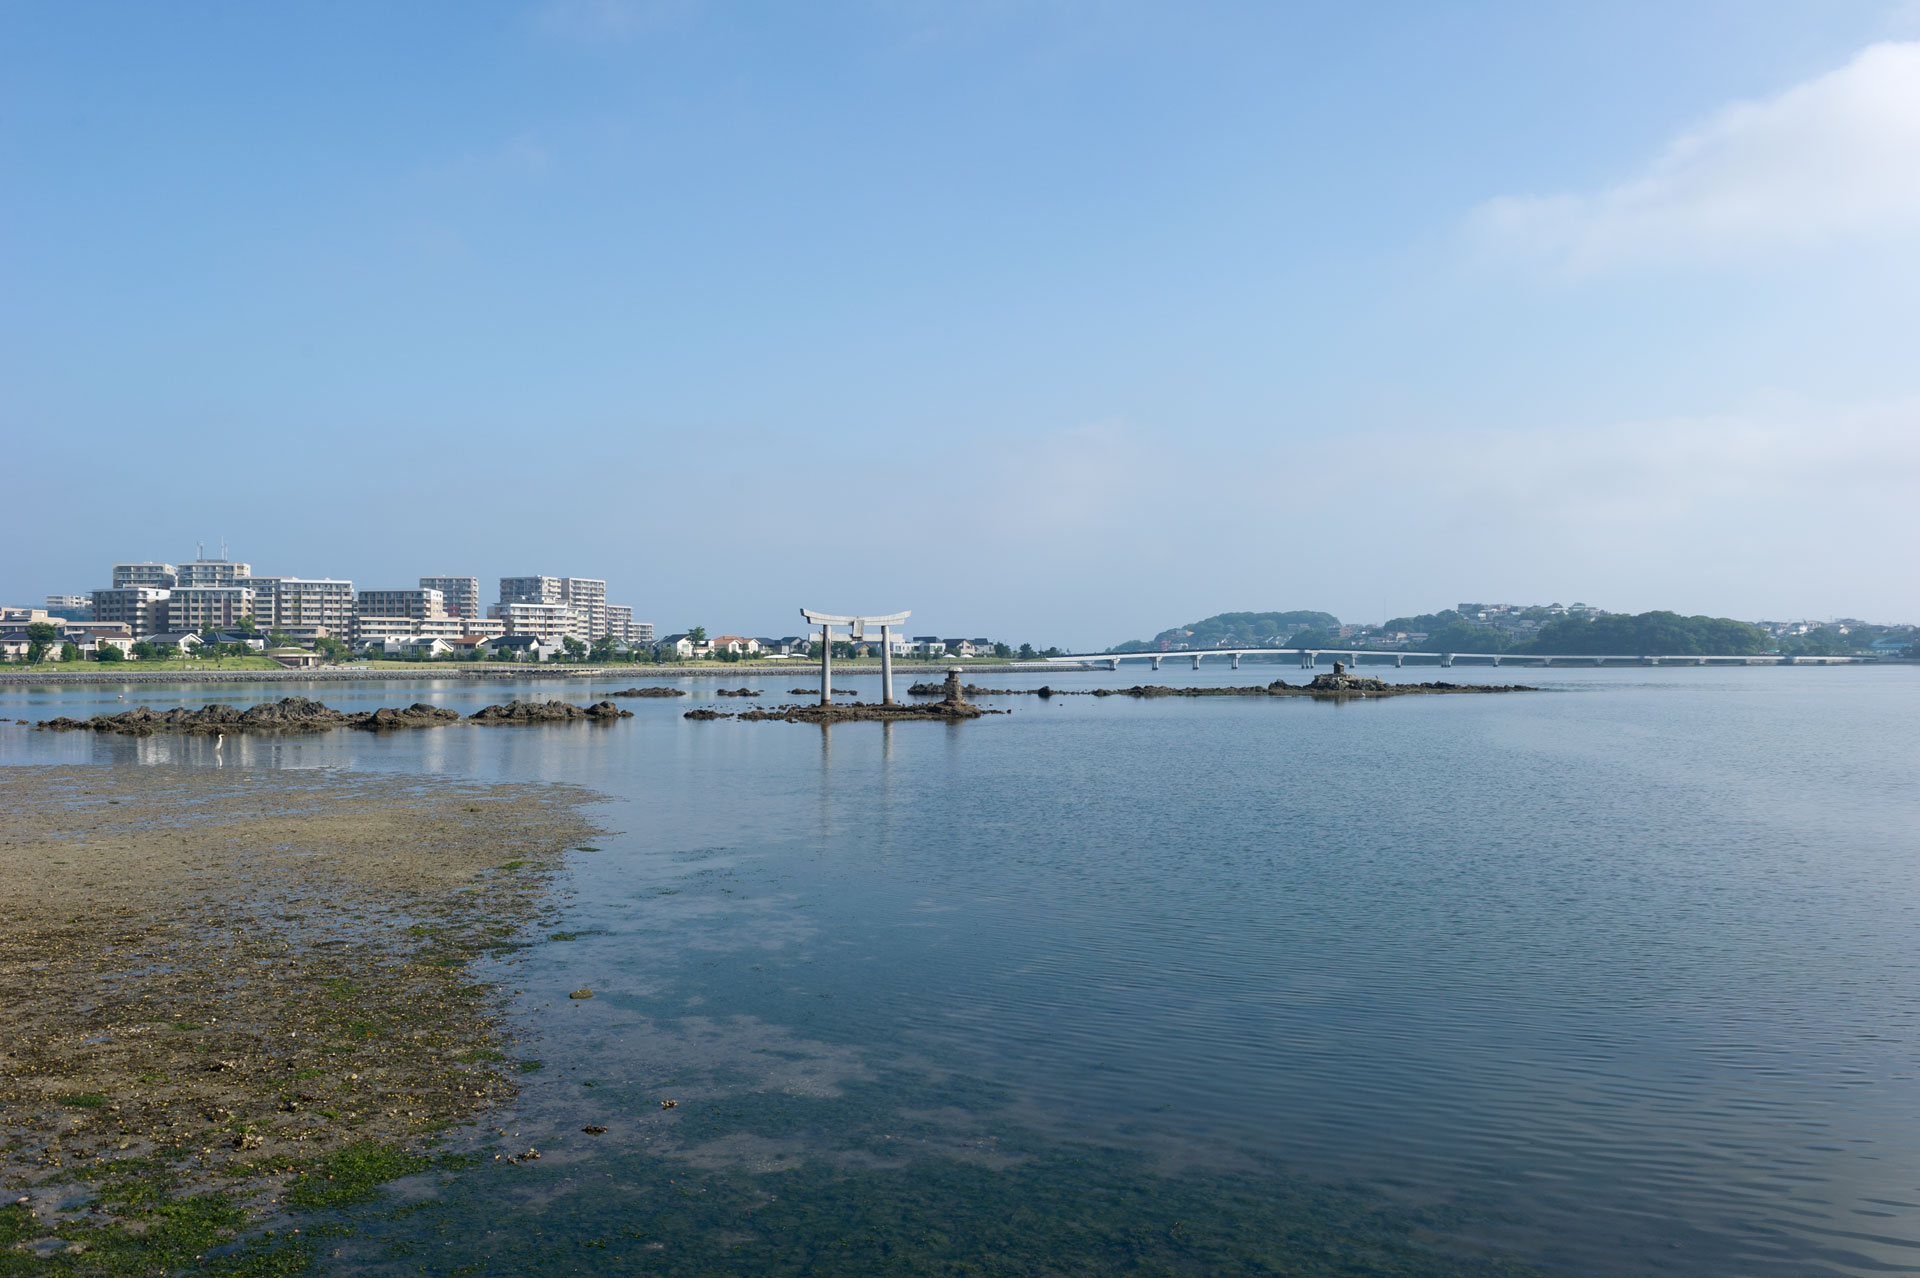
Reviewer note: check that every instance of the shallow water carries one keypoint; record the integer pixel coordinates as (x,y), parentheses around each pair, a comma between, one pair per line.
(1619,976)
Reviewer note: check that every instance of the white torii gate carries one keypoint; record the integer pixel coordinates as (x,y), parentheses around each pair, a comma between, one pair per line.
(856,630)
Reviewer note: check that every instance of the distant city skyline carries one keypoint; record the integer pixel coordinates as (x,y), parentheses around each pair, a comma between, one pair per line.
(520,597)
(1060,322)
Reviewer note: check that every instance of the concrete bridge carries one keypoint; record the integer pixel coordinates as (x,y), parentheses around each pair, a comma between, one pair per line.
(1310,657)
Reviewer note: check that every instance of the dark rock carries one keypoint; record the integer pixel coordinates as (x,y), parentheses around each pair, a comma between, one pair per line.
(289,714)
(417,715)
(649,692)
(737,692)
(705,714)
(547,712)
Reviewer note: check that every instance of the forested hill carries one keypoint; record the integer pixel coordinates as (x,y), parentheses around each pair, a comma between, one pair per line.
(1246,629)
(1612,634)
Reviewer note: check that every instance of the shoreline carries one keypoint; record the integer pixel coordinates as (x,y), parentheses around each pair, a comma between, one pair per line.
(427,672)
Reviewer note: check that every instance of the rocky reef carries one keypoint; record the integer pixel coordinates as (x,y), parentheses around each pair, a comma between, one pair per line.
(289,714)
(655,691)
(548,712)
(303,714)
(1325,687)
(953,708)
(737,692)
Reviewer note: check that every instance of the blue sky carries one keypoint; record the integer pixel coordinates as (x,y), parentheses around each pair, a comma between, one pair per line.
(1062,322)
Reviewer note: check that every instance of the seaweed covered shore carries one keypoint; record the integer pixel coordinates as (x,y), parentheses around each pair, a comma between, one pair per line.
(224,994)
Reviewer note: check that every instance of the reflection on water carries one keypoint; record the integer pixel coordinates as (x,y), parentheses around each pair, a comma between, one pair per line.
(1614,977)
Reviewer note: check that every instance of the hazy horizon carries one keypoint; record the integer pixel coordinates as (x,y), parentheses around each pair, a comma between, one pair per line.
(1052,323)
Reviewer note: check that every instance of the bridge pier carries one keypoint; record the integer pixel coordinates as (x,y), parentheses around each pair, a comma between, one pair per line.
(1496,659)
(1399,659)
(1307,660)
(1236,661)
(1196,661)
(1446,659)
(1114,665)
(1156,663)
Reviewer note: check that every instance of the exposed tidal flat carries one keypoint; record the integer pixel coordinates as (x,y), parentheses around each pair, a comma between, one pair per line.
(226,994)
(1614,980)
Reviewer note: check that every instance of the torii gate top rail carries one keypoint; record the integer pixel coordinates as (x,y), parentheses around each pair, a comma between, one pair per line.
(856,629)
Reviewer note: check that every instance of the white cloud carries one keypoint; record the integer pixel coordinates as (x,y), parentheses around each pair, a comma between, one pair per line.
(1833,158)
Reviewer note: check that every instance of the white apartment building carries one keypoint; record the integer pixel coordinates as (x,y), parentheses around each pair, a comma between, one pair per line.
(208,607)
(462,594)
(585,596)
(548,622)
(532,590)
(588,597)
(142,609)
(421,604)
(368,630)
(461,627)
(304,607)
(621,625)
(68,603)
(152,576)
(213,572)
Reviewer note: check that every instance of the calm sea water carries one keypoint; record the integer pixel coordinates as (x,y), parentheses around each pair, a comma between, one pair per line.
(1617,977)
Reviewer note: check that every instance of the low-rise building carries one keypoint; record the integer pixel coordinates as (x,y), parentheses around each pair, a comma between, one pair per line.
(71,607)
(737,645)
(523,648)
(17,645)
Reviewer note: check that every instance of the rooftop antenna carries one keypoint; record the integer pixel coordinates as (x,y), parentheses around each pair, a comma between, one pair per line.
(200,550)
(223,549)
